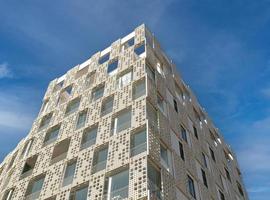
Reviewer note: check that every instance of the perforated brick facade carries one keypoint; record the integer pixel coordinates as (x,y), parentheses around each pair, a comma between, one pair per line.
(122,125)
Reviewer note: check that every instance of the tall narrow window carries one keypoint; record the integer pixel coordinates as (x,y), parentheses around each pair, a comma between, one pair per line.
(164,155)
(195,132)
(150,72)
(60,151)
(34,188)
(221,195)
(138,89)
(154,182)
(90,79)
(124,79)
(97,92)
(118,185)
(191,187)
(204,178)
(29,166)
(181,149)
(112,66)
(81,119)
(89,137)
(27,148)
(121,122)
(107,106)
(69,173)
(45,105)
(79,193)
(205,160)
(228,174)
(100,160)
(45,121)
(138,143)
(184,134)
(51,135)
(175,105)
(212,154)
(73,106)
(161,103)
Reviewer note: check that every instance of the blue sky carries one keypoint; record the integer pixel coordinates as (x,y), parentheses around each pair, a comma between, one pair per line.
(222,49)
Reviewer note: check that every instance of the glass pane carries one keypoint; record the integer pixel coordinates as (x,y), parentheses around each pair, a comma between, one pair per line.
(81,119)
(81,194)
(164,155)
(70,170)
(102,155)
(119,185)
(124,121)
(37,185)
(139,89)
(98,93)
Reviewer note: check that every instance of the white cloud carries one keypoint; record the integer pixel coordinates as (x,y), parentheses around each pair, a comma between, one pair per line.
(5,71)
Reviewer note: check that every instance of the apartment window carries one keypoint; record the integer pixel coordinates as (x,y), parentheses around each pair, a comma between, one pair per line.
(118,186)
(150,72)
(112,66)
(129,43)
(89,137)
(81,119)
(122,121)
(181,149)
(8,194)
(90,79)
(212,154)
(69,173)
(45,105)
(164,155)
(45,121)
(107,106)
(73,106)
(184,134)
(240,188)
(228,174)
(221,195)
(175,105)
(195,132)
(179,92)
(204,178)
(139,50)
(160,69)
(29,166)
(82,71)
(138,89)
(27,148)
(65,94)
(161,103)
(191,187)
(79,193)
(34,188)
(51,135)
(97,92)
(60,151)
(104,58)
(124,79)
(205,160)
(58,86)
(154,182)
(100,160)
(138,143)
(12,159)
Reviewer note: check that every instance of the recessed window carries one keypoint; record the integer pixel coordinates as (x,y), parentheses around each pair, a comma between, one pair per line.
(221,195)
(58,86)
(161,103)
(129,43)
(97,92)
(27,148)
(104,58)
(175,105)
(138,143)
(107,106)
(139,50)
(81,119)
(181,149)
(154,179)
(51,135)
(90,79)
(121,122)
(124,79)
(240,188)
(212,154)
(12,159)
(195,132)
(8,194)
(82,72)
(179,92)
(60,151)
(69,173)
(79,193)
(150,72)
(112,66)
(73,106)
(89,137)
(29,166)
(100,159)
(165,157)
(34,188)
(228,174)
(45,121)
(45,105)
(138,89)
(204,178)
(118,186)
(64,95)
(191,187)
(205,160)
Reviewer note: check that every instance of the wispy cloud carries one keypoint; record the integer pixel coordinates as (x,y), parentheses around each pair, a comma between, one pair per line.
(5,71)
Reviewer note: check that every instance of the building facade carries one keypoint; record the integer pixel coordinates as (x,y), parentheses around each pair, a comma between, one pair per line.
(122,125)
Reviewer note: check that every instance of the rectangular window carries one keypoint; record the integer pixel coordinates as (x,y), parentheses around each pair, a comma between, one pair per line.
(240,188)
(79,193)
(228,174)
(164,155)
(139,50)
(27,148)
(112,66)
(184,134)
(212,154)
(191,187)
(34,188)
(60,151)
(150,72)
(69,173)
(73,106)
(104,58)
(100,160)
(45,121)
(81,119)
(138,143)
(175,105)
(138,89)
(51,135)
(118,185)
(121,122)
(45,105)
(205,160)
(129,43)
(82,71)
(90,79)
(97,92)
(8,194)
(12,159)
(154,182)
(181,149)
(29,166)
(204,178)
(124,79)
(89,137)
(107,106)
(161,103)
(195,132)
(64,95)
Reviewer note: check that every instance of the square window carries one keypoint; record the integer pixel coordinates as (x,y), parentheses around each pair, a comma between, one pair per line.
(45,121)
(97,92)
(60,151)
(51,135)
(34,188)
(82,72)
(124,79)
(73,106)
(89,137)
(129,43)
